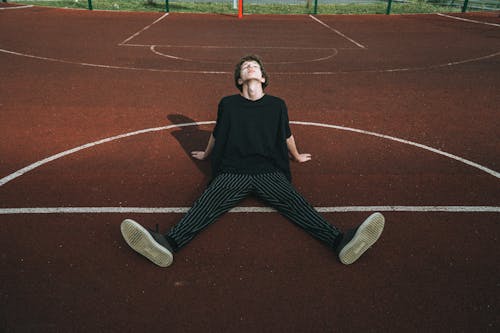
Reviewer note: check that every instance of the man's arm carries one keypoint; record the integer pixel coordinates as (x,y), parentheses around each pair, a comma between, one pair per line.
(203,155)
(292,149)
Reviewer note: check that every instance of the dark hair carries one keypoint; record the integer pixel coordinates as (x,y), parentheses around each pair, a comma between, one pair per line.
(237,70)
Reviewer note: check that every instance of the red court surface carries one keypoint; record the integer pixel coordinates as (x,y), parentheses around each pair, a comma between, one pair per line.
(98,113)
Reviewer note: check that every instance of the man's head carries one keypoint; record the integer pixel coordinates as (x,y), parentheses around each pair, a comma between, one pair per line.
(244,64)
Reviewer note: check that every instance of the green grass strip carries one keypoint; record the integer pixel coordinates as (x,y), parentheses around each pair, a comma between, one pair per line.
(227,8)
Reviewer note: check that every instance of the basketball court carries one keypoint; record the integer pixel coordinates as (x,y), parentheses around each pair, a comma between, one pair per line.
(100,110)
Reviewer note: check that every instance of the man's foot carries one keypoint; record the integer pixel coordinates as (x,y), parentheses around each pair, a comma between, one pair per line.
(354,244)
(150,244)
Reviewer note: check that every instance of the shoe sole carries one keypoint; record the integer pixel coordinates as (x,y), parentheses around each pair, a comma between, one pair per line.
(139,239)
(366,235)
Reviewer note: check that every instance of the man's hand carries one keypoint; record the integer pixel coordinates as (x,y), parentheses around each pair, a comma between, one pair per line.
(294,153)
(203,155)
(199,155)
(301,158)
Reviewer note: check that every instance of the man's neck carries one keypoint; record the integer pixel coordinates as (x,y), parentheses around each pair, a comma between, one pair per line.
(252,90)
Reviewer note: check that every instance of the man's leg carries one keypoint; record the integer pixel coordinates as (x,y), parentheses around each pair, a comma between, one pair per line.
(278,192)
(223,193)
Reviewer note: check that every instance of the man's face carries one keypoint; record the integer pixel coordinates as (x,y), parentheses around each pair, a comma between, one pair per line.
(251,70)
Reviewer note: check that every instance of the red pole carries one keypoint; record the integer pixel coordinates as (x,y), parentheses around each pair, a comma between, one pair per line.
(240,8)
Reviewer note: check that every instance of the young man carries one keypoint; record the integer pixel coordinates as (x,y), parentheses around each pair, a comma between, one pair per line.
(250,148)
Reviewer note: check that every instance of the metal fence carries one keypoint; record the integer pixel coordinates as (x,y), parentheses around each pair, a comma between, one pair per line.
(280,6)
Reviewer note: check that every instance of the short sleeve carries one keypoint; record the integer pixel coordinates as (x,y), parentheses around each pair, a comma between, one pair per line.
(286,123)
(218,125)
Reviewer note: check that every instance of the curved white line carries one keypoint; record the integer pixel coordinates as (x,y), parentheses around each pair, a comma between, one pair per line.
(110,66)
(155,51)
(407,142)
(35,165)
(274,73)
(230,47)
(408,69)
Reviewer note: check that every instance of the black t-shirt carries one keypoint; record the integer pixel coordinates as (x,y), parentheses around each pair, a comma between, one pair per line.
(250,136)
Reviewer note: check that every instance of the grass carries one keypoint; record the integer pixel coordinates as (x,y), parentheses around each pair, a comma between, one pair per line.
(418,6)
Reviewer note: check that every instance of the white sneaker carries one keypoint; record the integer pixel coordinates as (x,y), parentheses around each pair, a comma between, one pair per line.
(150,244)
(364,237)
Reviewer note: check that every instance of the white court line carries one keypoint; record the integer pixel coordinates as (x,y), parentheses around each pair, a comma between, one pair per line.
(143,29)
(226,73)
(337,32)
(44,161)
(183,210)
(71,210)
(237,47)
(37,164)
(395,70)
(407,142)
(17,7)
(468,20)
(112,66)
(333,52)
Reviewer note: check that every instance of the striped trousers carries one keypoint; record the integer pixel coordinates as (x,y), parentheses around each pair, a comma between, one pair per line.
(227,190)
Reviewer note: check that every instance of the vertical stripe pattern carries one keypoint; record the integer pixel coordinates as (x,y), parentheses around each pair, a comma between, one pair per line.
(279,193)
(227,190)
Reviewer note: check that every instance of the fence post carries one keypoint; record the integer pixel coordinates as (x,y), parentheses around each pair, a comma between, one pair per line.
(90,4)
(389,4)
(166,6)
(240,9)
(464,7)
(315,7)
